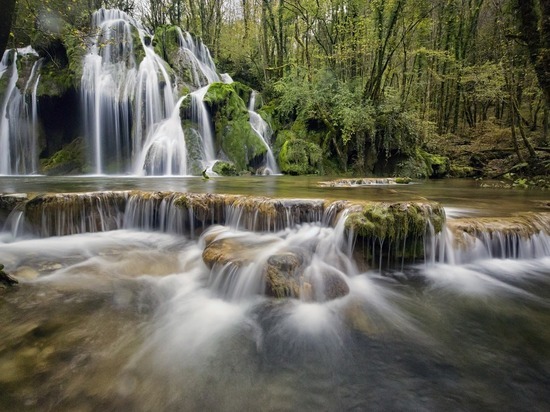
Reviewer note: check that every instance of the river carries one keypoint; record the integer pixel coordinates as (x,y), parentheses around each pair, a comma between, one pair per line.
(132,319)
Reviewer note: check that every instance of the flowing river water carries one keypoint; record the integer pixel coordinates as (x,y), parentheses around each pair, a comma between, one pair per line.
(133,319)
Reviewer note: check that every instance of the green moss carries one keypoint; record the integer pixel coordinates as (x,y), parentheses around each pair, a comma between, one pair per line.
(243,91)
(166,43)
(298,157)
(194,148)
(69,160)
(234,135)
(240,144)
(439,165)
(423,165)
(224,168)
(462,171)
(396,221)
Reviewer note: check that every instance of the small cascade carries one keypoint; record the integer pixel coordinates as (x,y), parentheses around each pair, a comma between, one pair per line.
(200,115)
(305,262)
(165,151)
(472,239)
(262,129)
(18,117)
(199,59)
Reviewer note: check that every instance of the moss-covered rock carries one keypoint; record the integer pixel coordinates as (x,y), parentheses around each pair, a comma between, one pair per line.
(69,160)
(224,168)
(439,165)
(63,55)
(234,135)
(167,44)
(424,165)
(397,229)
(298,157)
(194,148)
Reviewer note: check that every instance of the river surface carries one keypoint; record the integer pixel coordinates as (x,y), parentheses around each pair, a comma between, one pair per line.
(133,320)
(486,198)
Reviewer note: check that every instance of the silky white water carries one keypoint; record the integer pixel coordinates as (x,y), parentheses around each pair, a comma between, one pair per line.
(263,130)
(135,320)
(19,116)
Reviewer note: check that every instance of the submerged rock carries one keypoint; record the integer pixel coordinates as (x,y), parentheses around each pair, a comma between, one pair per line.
(5,279)
(366,181)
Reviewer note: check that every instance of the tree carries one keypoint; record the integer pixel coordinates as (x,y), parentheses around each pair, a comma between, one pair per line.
(8,9)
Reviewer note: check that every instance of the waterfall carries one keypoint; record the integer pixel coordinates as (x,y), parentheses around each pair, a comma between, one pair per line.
(198,56)
(263,130)
(131,107)
(469,240)
(200,114)
(122,99)
(164,151)
(18,118)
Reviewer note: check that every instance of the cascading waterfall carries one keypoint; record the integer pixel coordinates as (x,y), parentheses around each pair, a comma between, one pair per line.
(201,116)
(122,99)
(130,107)
(262,129)
(18,118)
(164,151)
(198,56)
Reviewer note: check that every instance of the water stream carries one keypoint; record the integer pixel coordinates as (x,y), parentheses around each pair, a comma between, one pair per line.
(137,319)
(18,116)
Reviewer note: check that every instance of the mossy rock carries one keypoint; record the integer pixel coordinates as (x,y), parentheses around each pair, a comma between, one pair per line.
(439,165)
(243,91)
(194,148)
(69,160)
(394,230)
(298,157)
(167,45)
(63,55)
(424,165)
(224,168)
(234,135)
(462,171)
(396,221)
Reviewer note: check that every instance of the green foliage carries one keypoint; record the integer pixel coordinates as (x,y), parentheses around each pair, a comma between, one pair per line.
(425,165)
(224,168)
(298,157)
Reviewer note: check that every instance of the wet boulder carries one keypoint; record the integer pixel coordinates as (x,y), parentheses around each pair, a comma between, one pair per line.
(5,279)
(235,251)
(284,275)
(331,285)
(287,275)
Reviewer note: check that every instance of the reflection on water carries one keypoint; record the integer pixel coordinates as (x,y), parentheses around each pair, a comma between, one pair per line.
(462,194)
